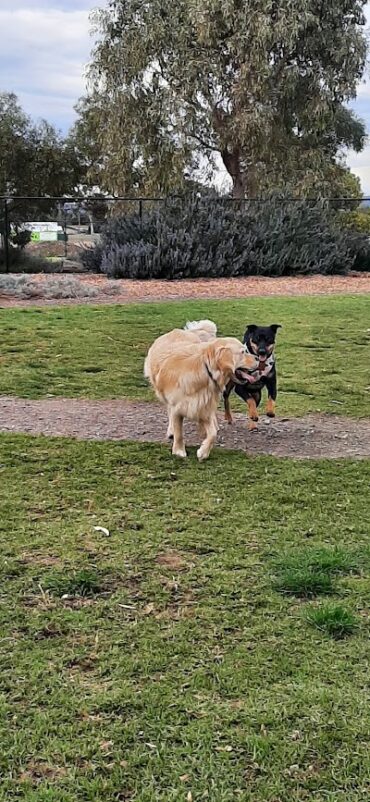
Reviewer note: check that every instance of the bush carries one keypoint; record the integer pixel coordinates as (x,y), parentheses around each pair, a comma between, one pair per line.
(208,237)
(22,262)
(357,220)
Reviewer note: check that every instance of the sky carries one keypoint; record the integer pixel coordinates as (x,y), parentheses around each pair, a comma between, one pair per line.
(44,49)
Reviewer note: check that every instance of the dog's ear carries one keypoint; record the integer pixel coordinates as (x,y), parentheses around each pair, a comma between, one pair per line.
(225,362)
(221,361)
(251,328)
(275,327)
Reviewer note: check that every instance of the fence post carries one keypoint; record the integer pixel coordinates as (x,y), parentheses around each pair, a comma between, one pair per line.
(6,235)
(65,234)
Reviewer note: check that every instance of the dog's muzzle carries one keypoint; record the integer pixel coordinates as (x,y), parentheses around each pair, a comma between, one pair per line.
(244,376)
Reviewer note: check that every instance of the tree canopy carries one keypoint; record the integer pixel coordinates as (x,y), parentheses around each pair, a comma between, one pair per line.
(261,84)
(35,159)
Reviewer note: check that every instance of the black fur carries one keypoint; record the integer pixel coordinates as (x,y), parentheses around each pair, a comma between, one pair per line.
(260,341)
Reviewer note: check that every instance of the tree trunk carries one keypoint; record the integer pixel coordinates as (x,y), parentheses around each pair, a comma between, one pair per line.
(238,186)
(231,161)
(91,221)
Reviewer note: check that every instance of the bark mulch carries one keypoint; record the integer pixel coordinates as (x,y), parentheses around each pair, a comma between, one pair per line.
(154,290)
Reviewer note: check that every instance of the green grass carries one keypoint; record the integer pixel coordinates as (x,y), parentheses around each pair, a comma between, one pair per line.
(304,582)
(333,620)
(174,667)
(309,572)
(323,348)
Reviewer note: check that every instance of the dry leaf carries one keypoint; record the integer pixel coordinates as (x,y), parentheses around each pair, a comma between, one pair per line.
(105,745)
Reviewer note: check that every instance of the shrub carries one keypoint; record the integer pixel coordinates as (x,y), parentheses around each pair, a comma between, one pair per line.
(22,262)
(24,286)
(207,237)
(357,220)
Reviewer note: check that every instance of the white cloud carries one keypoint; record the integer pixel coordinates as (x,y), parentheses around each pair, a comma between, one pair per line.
(45,45)
(43,55)
(360,165)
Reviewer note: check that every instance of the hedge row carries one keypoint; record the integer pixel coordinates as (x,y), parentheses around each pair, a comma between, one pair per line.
(200,237)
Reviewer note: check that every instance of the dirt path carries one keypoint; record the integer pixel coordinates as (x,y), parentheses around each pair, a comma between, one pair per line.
(129,291)
(309,437)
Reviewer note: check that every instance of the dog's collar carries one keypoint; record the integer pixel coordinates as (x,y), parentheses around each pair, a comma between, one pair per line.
(210,374)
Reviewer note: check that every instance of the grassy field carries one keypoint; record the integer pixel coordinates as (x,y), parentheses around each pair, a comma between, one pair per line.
(323,348)
(214,646)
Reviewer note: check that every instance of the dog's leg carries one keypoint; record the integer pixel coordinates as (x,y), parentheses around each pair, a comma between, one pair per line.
(271,385)
(205,448)
(226,396)
(253,414)
(170,425)
(201,430)
(178,448)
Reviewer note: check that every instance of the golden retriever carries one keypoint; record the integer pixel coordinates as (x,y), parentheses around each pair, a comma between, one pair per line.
(188,370)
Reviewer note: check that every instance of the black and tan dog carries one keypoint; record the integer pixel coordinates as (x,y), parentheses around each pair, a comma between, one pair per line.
(260,342)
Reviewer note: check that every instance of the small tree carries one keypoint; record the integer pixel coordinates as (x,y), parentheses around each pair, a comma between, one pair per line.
(35,160)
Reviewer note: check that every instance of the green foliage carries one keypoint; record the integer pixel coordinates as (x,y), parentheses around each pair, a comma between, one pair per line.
(22,262)
(21,237)
(334,620)
(35,160)
(207,237)
(262,86)
(357,220)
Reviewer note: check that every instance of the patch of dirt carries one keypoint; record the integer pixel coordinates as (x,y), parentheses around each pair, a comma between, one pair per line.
(172,560)
(313,436)
(130,291)
(44,560)
(36,772)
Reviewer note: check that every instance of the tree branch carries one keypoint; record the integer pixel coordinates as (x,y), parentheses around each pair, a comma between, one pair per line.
(205,145)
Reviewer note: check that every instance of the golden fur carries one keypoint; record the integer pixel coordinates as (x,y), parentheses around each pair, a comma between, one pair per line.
(188,374)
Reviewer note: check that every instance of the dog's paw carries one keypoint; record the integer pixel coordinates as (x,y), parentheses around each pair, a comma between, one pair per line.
(202,454)
(252,425)
(270,408)
(179,452)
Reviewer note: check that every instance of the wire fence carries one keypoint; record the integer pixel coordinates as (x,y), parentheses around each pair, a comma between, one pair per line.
(58,228)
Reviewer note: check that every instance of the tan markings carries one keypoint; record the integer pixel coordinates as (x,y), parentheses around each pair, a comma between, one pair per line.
(252,408)
(270,408)
(228,415)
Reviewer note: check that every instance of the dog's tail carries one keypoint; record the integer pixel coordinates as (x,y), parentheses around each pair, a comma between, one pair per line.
(206,328)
